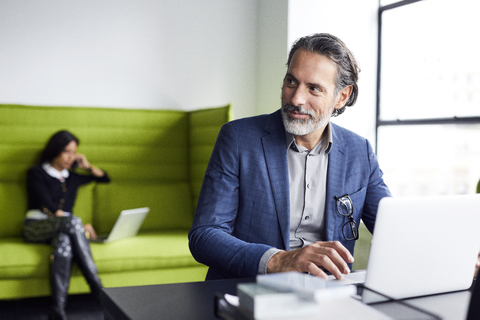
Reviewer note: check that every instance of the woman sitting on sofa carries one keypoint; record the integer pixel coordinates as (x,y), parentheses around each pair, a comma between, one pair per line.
(52,188)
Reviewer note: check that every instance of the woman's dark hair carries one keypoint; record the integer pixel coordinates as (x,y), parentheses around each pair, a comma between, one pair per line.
(56,145)
(332,47)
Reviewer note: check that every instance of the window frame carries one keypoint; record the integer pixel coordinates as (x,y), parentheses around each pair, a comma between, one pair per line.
(406,122)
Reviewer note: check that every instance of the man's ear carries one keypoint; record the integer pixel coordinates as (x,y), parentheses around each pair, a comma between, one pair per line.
(342,97)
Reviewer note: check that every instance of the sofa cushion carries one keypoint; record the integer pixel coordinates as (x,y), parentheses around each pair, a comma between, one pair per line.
(170,204)
(23,261)
(13,206)
(84,203)
(146,251)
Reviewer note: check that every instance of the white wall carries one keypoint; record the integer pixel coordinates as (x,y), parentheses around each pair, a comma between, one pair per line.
(355,22)
(272,50)
(174,54)
(177,54)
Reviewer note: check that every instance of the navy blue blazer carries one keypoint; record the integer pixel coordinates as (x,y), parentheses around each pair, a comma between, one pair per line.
(243,208)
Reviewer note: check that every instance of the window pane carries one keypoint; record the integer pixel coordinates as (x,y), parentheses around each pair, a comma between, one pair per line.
(430,160)
(430,66)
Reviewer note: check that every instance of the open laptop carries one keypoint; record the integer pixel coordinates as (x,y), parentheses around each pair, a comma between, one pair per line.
(127,225)
(423,246)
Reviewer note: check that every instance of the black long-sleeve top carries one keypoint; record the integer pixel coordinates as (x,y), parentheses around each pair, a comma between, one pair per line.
(48,194)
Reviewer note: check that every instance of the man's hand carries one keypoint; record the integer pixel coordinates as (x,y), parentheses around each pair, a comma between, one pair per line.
(331,256)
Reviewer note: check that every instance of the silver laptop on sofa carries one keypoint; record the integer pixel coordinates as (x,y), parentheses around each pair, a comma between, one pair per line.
(127,225)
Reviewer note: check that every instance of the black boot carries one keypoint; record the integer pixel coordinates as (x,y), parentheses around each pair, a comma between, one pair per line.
(60,276)
(83,256)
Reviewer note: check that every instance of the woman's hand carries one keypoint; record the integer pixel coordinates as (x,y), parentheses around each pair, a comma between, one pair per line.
(90,232)
(82,162)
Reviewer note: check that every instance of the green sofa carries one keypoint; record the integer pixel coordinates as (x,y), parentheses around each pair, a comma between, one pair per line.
(155,158)
(362,248)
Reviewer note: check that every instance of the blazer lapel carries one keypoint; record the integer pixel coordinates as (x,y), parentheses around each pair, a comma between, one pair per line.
(335,184)
(274,147)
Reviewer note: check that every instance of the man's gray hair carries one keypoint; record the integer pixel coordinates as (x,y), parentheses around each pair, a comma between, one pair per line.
(334,48)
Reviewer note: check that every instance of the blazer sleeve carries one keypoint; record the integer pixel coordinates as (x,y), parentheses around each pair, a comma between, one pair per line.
(376,190)
(212,238)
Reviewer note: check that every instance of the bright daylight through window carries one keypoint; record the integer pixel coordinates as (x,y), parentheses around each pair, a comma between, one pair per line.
(428,136)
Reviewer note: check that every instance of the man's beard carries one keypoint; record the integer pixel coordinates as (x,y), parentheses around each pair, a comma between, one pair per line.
(301,127)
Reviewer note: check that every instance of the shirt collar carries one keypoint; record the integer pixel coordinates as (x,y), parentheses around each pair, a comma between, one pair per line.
(326,142)
(51,171)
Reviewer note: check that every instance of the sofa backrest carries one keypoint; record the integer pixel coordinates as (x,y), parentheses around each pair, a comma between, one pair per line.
(155,158)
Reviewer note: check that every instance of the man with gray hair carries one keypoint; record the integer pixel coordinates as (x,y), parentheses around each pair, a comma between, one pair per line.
(286,191)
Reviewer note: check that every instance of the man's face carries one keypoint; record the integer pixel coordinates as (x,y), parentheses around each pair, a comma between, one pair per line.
(308,93)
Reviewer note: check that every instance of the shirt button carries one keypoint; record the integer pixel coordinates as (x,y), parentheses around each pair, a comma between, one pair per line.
(307,217)
(308,185)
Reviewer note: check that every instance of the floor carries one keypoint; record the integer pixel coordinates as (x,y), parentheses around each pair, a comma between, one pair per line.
(79,307)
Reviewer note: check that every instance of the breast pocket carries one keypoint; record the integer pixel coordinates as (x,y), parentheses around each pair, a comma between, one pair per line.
(358,200)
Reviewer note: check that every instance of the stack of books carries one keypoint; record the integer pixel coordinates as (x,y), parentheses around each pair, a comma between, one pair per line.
(290,295)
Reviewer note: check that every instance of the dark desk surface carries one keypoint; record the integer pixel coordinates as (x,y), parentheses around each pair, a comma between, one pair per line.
(195,300)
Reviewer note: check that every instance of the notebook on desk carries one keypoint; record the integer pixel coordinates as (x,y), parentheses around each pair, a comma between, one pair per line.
(423,246)
(127,225)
